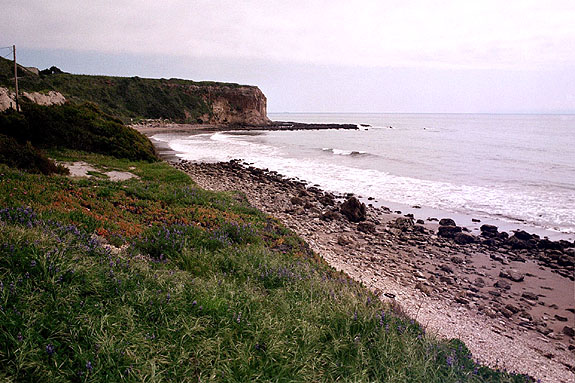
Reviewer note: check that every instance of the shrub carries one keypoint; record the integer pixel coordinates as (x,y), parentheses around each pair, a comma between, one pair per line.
(82,127)
(27,157)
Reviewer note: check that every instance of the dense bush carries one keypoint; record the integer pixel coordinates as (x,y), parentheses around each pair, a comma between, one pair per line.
(81,127)
(26,157)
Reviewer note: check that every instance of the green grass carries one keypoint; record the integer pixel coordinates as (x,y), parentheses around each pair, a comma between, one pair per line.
(198,287)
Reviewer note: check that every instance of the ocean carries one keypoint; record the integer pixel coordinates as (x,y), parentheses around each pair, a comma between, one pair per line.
(515,171)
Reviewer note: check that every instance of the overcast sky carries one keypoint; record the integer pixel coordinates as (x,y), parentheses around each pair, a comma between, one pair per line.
(320,55)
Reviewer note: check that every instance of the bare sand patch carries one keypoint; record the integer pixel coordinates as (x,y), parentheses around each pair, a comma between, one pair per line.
(83,169)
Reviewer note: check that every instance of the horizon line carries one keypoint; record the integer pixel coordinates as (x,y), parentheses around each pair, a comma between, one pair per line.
(484,113)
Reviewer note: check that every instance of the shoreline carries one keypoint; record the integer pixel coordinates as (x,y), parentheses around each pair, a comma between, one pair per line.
(473,221)
(506,305)
(149,128)
(508,320)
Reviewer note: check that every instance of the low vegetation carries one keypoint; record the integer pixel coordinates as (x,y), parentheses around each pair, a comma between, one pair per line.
(81,127)
(154,279)
(26,157)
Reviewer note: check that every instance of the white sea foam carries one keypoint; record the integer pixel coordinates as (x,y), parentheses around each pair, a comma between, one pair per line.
(343,152)
(495,180)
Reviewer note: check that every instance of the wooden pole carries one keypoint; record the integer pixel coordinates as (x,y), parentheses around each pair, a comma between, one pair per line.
(15,76)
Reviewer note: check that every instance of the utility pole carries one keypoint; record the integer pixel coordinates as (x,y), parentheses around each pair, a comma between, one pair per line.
(15,77)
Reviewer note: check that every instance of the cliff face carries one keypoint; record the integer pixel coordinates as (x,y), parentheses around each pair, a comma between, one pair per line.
(7,98)
(243,105)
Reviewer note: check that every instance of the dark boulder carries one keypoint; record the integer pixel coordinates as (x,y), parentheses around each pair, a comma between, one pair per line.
(330,215)
(569,331)
(446,222)
(366,227)
(418,229)
(446,268)
(565,260)
(546,244)
(489,231)
(523,235)
(327,200)
(490,242)
(463,238)
(353,210)
(517,243)
(448,231)
(403,224)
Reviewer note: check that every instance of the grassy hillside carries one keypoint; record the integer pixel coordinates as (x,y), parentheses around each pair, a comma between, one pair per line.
(153,279)
(82,127)
(124,97)
(24,135)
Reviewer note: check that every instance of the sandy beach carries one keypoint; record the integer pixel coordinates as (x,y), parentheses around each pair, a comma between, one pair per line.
(511,304)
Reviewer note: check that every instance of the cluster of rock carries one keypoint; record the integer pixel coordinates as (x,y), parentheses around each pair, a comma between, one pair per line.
(558,255)
(488,273)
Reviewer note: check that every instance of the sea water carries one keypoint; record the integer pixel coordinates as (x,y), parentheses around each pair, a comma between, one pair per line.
(515,170)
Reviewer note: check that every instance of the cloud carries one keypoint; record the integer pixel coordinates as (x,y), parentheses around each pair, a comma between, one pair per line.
(458,34)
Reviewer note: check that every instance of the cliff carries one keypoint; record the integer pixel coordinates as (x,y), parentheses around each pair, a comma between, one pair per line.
(241,105)
(7,98)
(131,98)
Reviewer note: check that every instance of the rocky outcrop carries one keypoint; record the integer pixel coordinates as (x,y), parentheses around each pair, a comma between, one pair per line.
(242,105)
(353,210)
(7,98)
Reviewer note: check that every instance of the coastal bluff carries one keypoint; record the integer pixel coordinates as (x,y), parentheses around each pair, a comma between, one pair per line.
(136,98)
(242,105)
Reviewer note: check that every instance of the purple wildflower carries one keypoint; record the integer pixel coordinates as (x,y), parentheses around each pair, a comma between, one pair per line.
(89,366)
(50,349)
(382,318)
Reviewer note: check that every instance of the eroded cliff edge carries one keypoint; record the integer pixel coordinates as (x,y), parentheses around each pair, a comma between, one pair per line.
(134,98)
(242,105)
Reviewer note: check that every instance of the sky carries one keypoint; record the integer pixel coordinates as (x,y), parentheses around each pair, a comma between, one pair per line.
(462,56)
